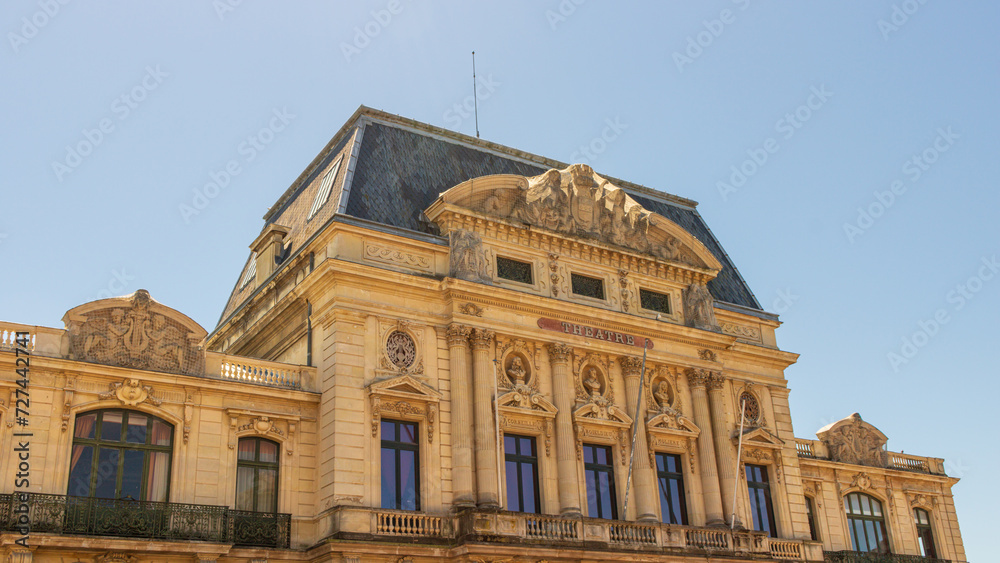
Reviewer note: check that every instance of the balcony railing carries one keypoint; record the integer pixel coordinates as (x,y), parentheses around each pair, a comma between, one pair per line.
(146,520)
(872,557)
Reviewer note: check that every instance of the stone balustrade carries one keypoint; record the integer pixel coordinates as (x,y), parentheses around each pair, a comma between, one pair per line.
(42,340)
(568,533)
(816,449)
(259,372)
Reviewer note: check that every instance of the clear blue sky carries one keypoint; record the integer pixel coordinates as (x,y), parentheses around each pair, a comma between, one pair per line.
(835,106)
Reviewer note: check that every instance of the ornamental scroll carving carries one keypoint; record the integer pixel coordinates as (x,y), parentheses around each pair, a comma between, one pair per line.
(852,440)
(135,332)
(131,392)
(401,351)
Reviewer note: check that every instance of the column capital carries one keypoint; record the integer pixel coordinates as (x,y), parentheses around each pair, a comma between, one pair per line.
(631,366)
(715,381)
(458,335)
(481,338)
(559,352)
(697,377)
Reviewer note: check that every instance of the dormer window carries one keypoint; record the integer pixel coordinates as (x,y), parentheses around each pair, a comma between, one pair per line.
(323,193)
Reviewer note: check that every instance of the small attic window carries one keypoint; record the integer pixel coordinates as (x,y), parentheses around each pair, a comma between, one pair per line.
(323,193)
(251,271)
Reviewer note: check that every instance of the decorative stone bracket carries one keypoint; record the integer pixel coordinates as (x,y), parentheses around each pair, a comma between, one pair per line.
(408,398)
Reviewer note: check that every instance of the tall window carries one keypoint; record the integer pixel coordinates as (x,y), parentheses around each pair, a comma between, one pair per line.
(924,534)
(119,454)
(671,480)
(599,470)
(867,525)
(257,475)
(811,516)
(522,473)
(400,472)
(760,500)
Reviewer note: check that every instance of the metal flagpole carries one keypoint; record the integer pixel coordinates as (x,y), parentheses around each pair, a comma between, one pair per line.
(496,418)
(739,452)
(635,429)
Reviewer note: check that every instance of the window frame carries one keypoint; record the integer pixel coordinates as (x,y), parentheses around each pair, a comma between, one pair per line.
(811,517)
(602,280)
(398,446)
(863,519)
(762,487)
(531,270)
(923,528)
(519,458)
(670,302)
(257,465)
(667,475)
(97,443)
(609,469)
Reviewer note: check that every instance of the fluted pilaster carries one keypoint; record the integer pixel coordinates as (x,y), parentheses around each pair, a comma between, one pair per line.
(724,453)
(562,385)
(461,415)
(698,380)
(642,474)
(483,382)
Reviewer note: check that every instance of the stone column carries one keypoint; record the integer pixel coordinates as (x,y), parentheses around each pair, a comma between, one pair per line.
(644,487)
(483,382)
(461,416)
(698,380)
(562,390)
(724,453)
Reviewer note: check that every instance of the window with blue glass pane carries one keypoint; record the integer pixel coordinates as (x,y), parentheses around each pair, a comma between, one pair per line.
(521,462)
(760,500)
(599,472)
(671,484)
(400,465)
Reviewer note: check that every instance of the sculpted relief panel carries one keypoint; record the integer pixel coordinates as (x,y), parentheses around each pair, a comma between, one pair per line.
(136,332)
(578,202)
(852,440)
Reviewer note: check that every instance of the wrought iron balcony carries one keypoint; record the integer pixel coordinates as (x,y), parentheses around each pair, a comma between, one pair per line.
(872,557)
(60,514)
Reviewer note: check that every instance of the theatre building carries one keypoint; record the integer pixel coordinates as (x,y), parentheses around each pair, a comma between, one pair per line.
(443,349)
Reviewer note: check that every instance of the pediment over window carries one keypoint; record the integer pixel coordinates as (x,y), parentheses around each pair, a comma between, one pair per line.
(404,397)
(759,438)
(673,424)
(575,202)
(524,399)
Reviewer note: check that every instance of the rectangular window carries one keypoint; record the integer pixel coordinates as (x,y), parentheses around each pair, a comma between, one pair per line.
(588,287)
(514,270)
(659,302)
(522,474)
(599,471)
(760,500)
(670,475)
(400,470)
(812,519)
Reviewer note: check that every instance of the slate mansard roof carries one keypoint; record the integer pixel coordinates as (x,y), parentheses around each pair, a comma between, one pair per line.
(392,168)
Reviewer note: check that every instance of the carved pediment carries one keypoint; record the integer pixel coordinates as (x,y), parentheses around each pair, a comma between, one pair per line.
(135,331)
(852,440)
(524,398)
(673,424)
(597,413)
(759,438)
(405,387)
(576,202)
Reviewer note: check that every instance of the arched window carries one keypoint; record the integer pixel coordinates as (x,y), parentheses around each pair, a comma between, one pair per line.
(867,524)
(924,534)
(120,454)
(257,475)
